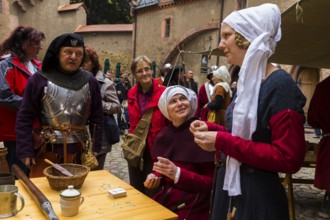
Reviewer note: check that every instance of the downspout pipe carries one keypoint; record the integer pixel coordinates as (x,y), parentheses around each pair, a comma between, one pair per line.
(134,38)
(135,29)
(221,18)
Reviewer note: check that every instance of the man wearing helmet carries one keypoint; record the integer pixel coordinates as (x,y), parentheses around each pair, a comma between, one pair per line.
(163,72)
(64,98)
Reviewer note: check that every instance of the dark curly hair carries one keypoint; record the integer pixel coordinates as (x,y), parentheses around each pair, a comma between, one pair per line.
(92,55)
(19,36)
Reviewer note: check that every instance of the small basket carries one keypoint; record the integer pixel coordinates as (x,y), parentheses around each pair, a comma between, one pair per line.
(59,182)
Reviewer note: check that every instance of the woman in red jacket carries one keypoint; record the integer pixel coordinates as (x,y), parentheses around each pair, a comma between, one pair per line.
(19,52)
(144,95)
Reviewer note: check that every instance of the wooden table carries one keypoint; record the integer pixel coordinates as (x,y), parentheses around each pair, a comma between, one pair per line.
(97,204)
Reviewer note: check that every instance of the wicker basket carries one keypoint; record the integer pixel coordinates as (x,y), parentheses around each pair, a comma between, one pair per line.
(58,182)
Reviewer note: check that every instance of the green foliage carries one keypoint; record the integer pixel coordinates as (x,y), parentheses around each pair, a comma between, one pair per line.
(107,11)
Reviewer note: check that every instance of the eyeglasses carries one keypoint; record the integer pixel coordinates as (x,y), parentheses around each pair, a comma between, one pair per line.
(145,69)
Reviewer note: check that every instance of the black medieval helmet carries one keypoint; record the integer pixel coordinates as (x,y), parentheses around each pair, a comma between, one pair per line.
(65,40)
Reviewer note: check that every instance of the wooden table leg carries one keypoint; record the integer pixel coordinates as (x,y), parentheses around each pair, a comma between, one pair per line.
(287,183)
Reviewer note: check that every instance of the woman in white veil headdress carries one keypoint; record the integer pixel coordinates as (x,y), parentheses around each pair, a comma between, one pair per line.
(264,131)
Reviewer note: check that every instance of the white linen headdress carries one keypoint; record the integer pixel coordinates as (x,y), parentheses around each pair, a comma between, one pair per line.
(223,74)
(172,91)
(261,26)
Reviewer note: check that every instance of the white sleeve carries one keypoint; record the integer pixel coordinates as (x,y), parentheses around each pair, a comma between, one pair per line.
(177,175)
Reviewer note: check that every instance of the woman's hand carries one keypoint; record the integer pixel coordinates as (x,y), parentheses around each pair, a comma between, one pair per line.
(165,167)
(197,126)
(152,181)
(206,140)
(28,161)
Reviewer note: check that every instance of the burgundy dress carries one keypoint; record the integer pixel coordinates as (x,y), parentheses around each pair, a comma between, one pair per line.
(319,117)
(197,169)
(203,98)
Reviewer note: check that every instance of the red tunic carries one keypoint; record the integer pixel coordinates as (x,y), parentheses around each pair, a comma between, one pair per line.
(203,98)
(319,117)
(286,152)
(159,80)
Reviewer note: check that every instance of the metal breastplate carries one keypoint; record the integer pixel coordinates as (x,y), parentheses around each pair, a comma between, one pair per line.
(63,107)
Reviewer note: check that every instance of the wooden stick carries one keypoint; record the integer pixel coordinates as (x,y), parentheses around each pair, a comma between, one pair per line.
(37,195)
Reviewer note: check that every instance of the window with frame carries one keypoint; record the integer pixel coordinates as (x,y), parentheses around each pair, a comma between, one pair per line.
(167,33)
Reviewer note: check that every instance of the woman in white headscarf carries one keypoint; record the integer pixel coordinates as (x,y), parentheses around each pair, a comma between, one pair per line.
(264,131)
(183,170)
(221,96)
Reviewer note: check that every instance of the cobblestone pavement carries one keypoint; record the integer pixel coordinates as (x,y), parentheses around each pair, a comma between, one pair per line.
(116,164)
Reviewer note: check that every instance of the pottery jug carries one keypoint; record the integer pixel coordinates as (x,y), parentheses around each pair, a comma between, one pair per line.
(70,202)
(7,179)
(3,162)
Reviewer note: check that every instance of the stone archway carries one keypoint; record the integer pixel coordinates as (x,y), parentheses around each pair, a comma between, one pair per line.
(185,38)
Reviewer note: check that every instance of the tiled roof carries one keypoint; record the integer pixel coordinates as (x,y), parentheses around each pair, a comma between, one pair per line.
(105,28)
(70,7)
